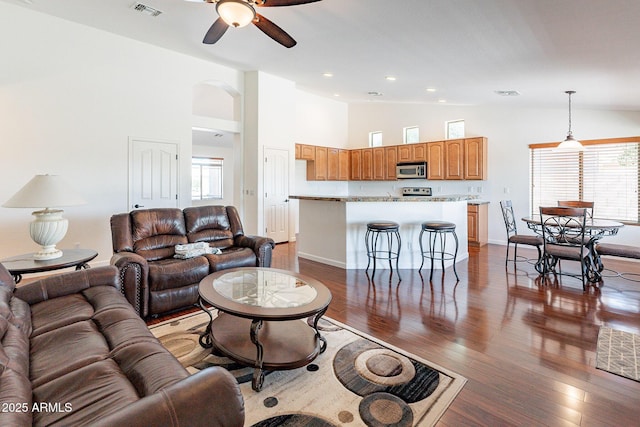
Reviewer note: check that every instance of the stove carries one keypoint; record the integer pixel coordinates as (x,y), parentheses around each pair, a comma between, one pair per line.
(416,191)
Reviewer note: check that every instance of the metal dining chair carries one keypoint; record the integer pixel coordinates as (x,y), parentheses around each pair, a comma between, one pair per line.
(578,204)
(518,239)
(565,238)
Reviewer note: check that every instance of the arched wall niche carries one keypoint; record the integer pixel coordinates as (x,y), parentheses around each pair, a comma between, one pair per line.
(216,99)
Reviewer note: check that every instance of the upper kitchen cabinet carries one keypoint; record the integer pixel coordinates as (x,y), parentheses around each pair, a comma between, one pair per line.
(435,160)
(343,165)
(305,152)
(337,164)
(379,164)
(390,159)
(412,152)
(317,169)
(355,166)
(454,159)
(367,164)
(475,158)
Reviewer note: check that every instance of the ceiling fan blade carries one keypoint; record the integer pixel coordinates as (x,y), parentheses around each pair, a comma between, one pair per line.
(275,3)
(273,31)
(216,31)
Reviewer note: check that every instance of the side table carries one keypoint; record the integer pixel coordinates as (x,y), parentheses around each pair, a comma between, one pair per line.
(25,263)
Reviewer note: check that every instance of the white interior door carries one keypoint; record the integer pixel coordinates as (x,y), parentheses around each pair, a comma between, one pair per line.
(276,194)
(153,174)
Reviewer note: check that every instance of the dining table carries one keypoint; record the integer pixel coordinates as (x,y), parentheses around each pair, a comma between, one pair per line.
(595,228)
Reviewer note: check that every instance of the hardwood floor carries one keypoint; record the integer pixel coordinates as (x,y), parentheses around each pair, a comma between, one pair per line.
(528,350)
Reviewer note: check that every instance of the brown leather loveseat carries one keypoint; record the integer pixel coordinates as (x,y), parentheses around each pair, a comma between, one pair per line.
(144,243)
(73,352)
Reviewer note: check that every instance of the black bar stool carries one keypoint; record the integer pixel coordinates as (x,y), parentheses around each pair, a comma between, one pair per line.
(374,231)
(439,229)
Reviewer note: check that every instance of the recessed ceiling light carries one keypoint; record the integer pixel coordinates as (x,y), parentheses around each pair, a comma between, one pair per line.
(327,74)
(507,92)
(390,78)
(442,101)
(374,93)
(431,89)
(336,95)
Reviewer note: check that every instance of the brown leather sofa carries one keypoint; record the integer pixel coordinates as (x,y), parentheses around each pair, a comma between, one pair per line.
(144,247)
(73,352)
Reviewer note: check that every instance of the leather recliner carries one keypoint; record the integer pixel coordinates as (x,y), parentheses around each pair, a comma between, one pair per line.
(144,241)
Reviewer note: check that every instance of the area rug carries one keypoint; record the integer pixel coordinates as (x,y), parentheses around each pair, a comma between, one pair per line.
(357,381)
(618,352)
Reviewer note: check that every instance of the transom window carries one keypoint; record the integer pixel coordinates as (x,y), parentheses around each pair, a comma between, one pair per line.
(605,173)
(206,178)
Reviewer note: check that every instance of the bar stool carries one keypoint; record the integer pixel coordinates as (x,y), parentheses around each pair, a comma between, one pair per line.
(439,229)
(389,229)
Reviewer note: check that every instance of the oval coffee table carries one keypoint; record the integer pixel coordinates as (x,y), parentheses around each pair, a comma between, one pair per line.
(258,323)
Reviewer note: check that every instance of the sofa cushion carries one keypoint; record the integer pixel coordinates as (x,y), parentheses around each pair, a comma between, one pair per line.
(232,258)
(209,224)
(68,348)
(55,313)
(156,232)
(174,273)
(92,391)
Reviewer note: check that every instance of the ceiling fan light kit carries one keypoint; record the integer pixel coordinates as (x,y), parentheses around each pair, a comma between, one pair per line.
(240,13)
(236,13)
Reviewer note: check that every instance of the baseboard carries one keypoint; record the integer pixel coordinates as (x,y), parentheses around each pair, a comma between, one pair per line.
(322,260)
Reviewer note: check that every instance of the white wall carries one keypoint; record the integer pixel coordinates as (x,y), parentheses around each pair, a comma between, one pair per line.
(509,131)
(70,97)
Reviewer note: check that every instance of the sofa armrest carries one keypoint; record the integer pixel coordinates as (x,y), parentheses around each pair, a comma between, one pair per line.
(261,246)
(134,276)
(210,397)
(67,284)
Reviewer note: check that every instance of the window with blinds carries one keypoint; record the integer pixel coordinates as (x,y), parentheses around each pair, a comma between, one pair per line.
(606,172)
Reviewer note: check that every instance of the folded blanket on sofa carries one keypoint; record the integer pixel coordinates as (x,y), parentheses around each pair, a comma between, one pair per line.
(191,250)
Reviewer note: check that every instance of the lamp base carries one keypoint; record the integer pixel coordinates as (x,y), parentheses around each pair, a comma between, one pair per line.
(46,253)
(48,228)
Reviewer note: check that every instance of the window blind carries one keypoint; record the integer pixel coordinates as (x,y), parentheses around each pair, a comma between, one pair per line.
(606,173)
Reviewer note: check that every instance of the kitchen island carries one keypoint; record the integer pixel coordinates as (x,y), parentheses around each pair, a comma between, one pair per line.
(332,228)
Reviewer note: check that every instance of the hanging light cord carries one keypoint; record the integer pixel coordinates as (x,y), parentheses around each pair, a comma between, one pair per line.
(569,92)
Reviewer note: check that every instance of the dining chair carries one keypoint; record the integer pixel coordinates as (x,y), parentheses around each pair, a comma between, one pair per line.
(564,238)
(515,238)
(578,204)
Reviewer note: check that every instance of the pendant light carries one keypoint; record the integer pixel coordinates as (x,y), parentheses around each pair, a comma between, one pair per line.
(570,143)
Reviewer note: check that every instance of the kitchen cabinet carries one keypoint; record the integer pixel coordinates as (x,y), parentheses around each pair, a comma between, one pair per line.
(475,158)
(391,159)
(435,160)
(478,224)
(355,165)
(454,159)
(305,152)
(379,165)
(343,165)
(333,164)
(317,169)
(367,164)
(412,152)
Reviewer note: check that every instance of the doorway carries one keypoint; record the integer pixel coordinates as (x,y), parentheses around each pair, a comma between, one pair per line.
(276,194)
(153,174)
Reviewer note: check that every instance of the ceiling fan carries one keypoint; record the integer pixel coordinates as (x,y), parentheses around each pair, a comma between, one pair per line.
(239,13)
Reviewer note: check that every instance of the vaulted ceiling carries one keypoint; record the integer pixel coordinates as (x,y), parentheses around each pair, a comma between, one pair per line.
(464,50)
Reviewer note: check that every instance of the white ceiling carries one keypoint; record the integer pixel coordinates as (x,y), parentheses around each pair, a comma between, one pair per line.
(465,49)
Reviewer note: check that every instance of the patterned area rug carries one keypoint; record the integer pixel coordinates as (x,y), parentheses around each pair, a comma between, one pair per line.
(357,381)
(618,352)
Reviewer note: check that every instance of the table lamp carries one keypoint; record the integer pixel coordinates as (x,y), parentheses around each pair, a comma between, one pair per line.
(48,227)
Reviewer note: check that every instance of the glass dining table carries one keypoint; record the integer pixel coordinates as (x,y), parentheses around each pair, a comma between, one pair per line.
(596,228)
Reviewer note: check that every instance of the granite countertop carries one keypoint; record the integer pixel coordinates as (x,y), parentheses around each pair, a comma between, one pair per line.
(443,198)
(479,202)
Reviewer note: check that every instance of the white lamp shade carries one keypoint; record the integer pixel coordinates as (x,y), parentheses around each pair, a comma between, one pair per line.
(236,13)
(45,191)
(570,144)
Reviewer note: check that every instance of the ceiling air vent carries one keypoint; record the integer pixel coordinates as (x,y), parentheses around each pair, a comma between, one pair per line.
(143,8)
(507,92)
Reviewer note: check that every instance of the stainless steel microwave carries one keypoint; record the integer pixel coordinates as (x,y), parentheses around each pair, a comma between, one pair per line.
(411,170)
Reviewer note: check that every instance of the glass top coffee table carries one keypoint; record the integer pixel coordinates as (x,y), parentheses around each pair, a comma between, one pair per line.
(258,323)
